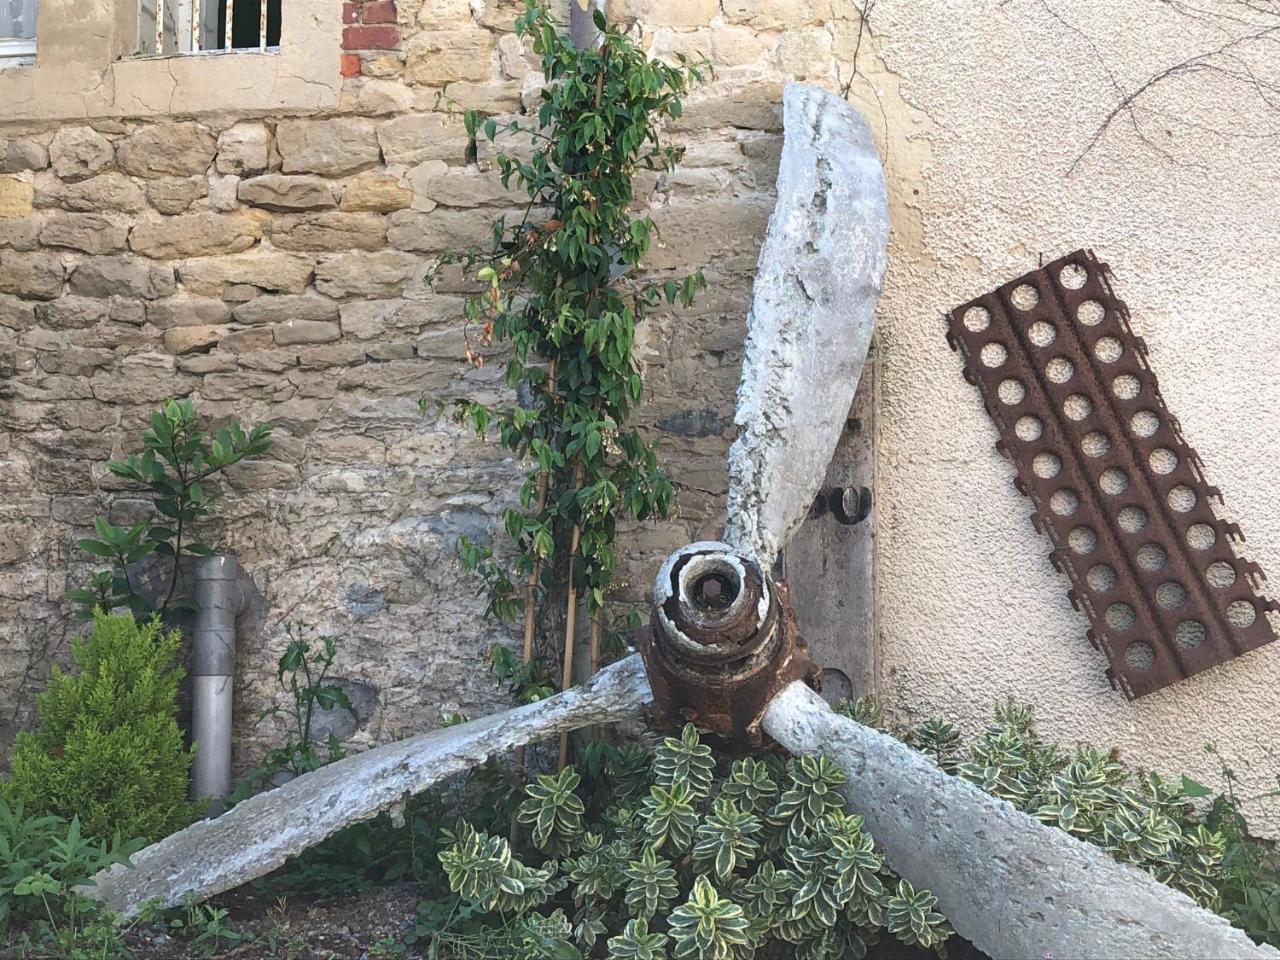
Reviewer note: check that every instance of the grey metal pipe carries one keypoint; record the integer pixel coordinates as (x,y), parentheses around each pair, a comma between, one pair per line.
(218,600)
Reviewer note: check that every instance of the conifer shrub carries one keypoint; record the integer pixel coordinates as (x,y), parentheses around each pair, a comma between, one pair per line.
(108,748)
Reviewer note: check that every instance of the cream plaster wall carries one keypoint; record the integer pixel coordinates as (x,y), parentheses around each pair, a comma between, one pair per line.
(988,106)
(79,73)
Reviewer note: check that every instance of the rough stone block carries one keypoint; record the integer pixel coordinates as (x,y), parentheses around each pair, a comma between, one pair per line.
(375,192)
(142,378)
(15,313)
(167,149)
(187,312)
(18,154)
(277,191)
(772,14)
(127,310)
(305,331)
(416,137)
(123,277)
(805,53)
(17,197)
(74,361)
(735,46)
(458,186)
(375,96)
(512,57)
(445,14)
(244,384)
(381,274)
(88,232)
(79,152)
(247,341)
(370,319)
(441,230)
(328,231)
(202,363)
(107,191)
(751,106)
(488,98)
(434,58)
(195,235)
(34,275)
(72,313)
(223,193)
(282,309)
(180,340)
(696,231)
(173,195)
(664,13)
(333,148)
(20,234)
(244,150)
(266,270)
(501,14)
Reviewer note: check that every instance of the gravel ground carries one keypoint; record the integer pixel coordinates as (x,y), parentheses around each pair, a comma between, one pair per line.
(342,929)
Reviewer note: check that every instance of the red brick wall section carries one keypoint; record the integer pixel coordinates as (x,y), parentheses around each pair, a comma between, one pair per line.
(368,25)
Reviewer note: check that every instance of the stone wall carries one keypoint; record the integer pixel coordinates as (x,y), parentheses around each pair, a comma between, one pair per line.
(278,265)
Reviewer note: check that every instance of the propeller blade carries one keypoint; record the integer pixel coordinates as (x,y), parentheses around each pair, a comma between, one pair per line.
(258,835)
(1059,896)
(813,308)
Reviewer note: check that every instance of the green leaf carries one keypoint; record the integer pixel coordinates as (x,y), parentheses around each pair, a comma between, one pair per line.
(1193,789)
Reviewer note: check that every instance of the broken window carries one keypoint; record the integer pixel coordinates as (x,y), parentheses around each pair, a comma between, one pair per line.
(168,27)
(17,28)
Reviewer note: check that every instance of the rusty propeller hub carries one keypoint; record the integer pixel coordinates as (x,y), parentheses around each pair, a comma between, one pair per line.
(722,642)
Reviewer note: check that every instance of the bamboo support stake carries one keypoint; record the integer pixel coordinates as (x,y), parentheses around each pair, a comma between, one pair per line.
(531,590)
(596,629)
(570,622)
(544,483)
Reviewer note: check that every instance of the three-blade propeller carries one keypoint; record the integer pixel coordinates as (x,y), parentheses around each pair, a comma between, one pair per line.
(820,271)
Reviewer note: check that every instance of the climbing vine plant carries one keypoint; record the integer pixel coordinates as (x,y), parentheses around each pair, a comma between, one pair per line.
(562,298)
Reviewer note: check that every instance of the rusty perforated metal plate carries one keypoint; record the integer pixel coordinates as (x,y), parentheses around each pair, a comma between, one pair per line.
(1117,490)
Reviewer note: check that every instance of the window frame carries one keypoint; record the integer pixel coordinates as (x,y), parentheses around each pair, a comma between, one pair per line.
(20,49)
(86,69)
(13,48)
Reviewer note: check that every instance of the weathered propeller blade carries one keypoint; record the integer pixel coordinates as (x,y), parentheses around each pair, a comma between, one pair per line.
(258,835)
(1009,884)
(813,308)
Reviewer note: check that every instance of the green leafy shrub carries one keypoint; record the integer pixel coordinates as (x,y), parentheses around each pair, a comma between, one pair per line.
(301,673)
(1250,877)
(688,857)
(1136,816)
(176,467)
(108,749)
(42,859)
(560,300)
